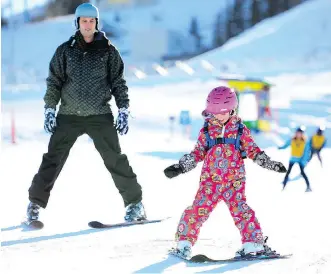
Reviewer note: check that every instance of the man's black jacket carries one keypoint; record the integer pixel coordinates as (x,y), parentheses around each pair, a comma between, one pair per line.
(84,76)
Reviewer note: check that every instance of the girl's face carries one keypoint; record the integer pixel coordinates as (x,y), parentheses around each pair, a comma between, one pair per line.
(223,118)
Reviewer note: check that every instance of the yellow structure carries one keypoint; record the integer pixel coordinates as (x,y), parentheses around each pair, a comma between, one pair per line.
(258,115)
(244,85)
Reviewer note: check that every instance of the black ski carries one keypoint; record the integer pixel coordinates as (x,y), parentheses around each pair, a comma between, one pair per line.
(201,258)
(99,225)
(33,224)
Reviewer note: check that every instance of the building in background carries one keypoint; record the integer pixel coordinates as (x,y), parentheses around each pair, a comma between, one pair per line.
(165,42)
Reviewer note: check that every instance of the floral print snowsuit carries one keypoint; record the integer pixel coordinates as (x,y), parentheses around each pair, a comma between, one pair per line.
(222,179)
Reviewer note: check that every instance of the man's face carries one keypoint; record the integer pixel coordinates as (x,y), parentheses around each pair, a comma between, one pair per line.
(87,26)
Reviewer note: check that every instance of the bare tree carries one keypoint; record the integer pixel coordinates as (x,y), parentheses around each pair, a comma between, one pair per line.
(195,32)
(218,37)
(256,15)
(228,21)
(273,7)
(285,5)
(294,3)
(237,19)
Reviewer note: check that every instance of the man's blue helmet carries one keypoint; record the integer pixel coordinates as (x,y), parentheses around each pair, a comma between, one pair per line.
(86,10)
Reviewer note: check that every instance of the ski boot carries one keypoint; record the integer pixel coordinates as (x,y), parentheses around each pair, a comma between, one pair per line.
(255,249)
(32,212)
(32,216)
(183,250)
(135,212)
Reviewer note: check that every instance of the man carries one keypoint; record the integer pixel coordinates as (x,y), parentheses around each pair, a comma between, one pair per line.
(84,73)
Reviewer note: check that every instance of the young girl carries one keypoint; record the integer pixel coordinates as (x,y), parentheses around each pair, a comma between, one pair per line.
(300,154)
(222,144)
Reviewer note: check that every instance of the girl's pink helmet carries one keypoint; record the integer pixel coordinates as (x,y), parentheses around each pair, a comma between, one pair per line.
(220,100)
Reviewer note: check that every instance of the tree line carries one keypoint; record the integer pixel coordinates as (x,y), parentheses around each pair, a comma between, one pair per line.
(238,16)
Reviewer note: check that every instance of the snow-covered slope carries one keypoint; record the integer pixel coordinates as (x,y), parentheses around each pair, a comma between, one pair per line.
(295,41)
(295,221)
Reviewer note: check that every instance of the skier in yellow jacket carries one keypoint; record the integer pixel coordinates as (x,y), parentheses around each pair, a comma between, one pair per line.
(317,143)
(300,154)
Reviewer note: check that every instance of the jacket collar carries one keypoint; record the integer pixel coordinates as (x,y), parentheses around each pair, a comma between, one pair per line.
(100,41)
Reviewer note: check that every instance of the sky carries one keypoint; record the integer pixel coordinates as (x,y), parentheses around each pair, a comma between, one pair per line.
(18,5)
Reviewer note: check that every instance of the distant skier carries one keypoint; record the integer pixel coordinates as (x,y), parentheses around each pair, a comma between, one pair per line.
(317,143)
(223,143)
(300,154)
(84,74)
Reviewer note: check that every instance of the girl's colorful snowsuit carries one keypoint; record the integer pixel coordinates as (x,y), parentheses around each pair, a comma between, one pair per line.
(222,178)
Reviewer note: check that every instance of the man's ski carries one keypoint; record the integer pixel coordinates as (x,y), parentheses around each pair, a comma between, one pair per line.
(33,224)
(96,224)
(201,258)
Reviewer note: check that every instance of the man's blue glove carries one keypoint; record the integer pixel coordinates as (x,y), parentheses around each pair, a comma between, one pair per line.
(122,125)
(50,120)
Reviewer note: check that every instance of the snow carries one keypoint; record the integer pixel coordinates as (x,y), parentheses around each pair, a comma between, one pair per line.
(296,222)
